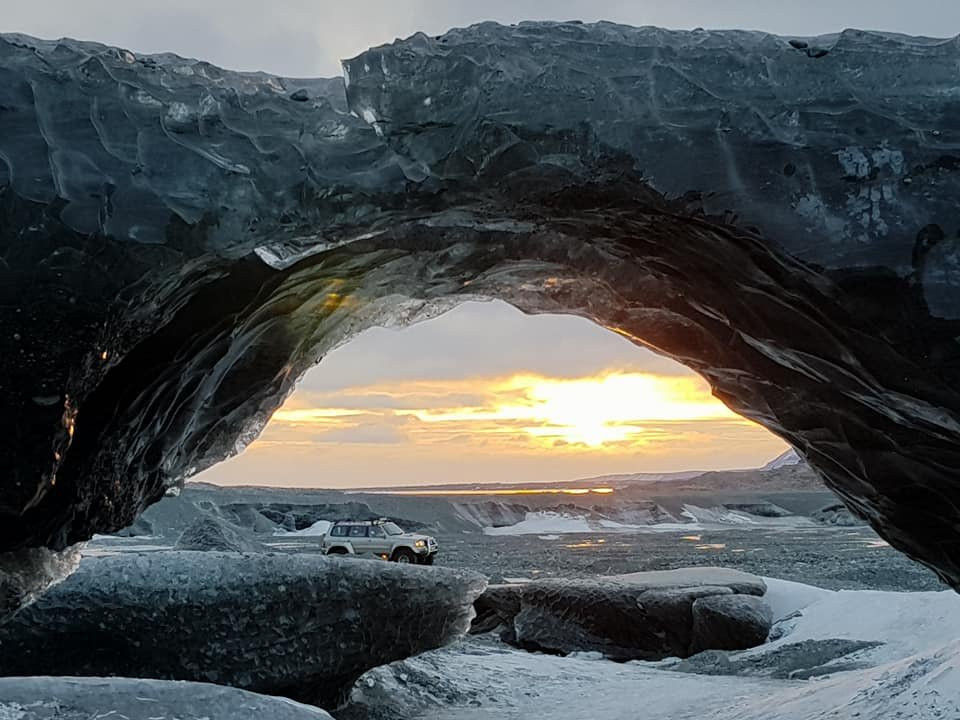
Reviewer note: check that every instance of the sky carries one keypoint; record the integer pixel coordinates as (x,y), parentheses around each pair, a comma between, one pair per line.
(483,393)
(307,38)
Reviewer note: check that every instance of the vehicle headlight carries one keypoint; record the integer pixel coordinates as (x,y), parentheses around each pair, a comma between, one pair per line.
(420,543)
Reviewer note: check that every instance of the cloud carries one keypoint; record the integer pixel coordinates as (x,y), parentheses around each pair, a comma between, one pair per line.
(482,339)
(309,37)
(612,412)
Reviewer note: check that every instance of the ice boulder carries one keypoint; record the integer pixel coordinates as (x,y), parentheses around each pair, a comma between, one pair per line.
(639,616)
(496,608)
(70,698)
(730,622)
(301,626)
(210,533)
(693,577)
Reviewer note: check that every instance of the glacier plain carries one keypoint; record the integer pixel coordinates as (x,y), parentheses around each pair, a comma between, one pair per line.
(910,669)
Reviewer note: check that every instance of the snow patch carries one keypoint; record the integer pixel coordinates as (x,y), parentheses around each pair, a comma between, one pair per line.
(318,529)
(544,523)
(786,597)
(789,457)
(914,673)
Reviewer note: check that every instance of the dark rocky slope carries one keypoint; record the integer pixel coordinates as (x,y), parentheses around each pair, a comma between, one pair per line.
(179,242)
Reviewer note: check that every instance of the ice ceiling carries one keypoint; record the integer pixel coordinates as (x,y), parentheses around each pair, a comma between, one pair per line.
(178,242)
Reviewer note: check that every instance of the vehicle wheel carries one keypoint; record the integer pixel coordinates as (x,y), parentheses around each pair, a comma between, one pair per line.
(337,551)
(404,555)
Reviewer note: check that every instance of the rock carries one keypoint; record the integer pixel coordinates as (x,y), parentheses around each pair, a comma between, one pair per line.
(211,533)
(729,622)
(760,509)
(302,626)
(491,513)
(836,514)
(70,698)
(639,616)
(161,280)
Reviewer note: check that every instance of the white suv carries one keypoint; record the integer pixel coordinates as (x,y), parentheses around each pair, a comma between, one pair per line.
(379,538)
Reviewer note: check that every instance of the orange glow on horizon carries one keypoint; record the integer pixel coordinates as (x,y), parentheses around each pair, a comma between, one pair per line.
(498,491)
(616,408)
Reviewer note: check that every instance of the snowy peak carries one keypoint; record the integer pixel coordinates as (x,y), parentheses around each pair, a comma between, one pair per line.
(789,457)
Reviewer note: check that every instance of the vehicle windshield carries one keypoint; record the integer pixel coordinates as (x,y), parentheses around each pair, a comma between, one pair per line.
(392,528)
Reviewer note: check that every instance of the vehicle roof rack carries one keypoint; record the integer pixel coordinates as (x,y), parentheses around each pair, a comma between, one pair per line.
(362,522)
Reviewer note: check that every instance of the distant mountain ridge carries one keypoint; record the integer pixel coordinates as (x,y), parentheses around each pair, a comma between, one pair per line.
(789,457)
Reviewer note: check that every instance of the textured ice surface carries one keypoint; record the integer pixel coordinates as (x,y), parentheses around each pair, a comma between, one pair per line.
(56,698)
(876,655)
(295,625)
(646,615)
(729,622)
(211,533)
(25,574)
(179,242)
(736,580)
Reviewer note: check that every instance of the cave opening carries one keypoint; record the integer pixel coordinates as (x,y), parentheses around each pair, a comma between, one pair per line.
(486,395)
(511,428)
(179,243)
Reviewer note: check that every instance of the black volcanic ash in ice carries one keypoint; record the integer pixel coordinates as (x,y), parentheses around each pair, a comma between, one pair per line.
(178,242)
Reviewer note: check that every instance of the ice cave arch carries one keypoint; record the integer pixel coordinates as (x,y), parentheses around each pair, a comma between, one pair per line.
(180,242)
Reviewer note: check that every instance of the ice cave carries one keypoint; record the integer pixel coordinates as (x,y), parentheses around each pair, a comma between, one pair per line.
(179,243)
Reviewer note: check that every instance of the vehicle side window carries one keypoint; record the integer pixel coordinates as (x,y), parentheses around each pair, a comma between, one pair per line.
(339,531)
(358,531)
(377,532)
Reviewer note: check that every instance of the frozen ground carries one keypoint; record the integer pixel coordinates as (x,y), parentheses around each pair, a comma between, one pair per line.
(868,652)
(697,518)
(830,557)
(872,655)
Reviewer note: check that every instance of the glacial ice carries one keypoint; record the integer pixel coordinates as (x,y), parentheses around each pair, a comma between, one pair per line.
(645,615)
(54,698)
(212,533)
(873,654)
(179,242)
(301,626)
(26,574)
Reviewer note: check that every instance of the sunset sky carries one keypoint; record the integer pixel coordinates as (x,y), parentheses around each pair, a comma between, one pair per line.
(485,393)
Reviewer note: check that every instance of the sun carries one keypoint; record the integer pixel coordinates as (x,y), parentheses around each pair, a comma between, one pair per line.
(596,412)
(614,408)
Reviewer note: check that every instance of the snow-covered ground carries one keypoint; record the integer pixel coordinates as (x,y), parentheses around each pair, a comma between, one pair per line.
(548,522)
(907,667)
(544,523)
(318,529)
